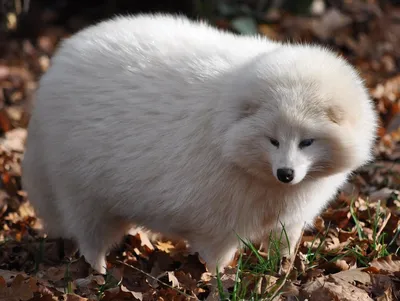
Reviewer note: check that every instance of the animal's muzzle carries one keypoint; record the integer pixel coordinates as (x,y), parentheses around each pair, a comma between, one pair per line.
(285,175)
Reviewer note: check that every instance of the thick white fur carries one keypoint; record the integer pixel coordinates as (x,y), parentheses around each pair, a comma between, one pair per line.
(158,121)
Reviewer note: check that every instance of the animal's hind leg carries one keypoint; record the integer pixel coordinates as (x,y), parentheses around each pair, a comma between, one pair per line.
(95,238)
(43,203)
(45,206)
(40,194)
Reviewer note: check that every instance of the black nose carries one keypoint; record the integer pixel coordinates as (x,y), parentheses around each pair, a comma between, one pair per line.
(285,175)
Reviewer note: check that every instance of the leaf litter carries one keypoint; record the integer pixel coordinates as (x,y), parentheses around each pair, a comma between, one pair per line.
(352,253)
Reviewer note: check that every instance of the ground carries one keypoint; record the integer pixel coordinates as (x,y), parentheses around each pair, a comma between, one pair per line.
(351,254)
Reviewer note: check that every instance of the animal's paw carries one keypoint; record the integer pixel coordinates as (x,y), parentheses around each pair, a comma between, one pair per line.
(97,262)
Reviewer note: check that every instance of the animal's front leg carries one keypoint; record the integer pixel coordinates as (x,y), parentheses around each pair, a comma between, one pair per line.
(283,239)
(215,252)
(293,233)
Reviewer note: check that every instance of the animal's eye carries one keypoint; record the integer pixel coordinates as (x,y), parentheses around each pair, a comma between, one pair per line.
(306,142)
(274,142)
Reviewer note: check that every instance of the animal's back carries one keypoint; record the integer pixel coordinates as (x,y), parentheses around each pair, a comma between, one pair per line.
(127,69)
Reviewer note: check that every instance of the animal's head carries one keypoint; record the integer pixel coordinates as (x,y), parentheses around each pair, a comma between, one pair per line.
(301,112)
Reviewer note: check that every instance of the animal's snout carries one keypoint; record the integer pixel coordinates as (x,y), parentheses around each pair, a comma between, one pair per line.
(285,175)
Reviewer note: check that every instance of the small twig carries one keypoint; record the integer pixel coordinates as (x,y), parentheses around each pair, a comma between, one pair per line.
(156,279)
(383,225)
(290,266)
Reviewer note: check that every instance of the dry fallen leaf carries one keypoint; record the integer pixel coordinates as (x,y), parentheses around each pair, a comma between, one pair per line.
(165,246)
(330,288)
(172,278)
(15,140)
(354,276)
(21,289)
(389,263)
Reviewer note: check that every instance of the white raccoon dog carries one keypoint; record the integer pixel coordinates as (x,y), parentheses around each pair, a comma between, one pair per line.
(161,122)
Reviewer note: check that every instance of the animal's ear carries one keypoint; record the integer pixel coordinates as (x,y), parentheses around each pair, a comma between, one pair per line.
(335,114)
(248,108)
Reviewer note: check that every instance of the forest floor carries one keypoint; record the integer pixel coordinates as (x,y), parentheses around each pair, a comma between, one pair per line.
(351,254)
